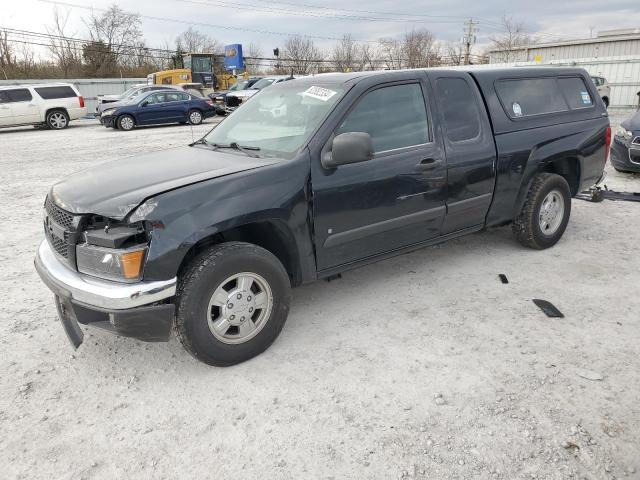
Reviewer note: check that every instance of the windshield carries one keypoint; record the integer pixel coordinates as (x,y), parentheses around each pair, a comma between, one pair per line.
(239,85)
(127,93)
(277,120)
(265,82)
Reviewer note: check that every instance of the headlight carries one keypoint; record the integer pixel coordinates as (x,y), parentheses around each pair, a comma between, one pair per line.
(110,263)
(623,133)
(109,111)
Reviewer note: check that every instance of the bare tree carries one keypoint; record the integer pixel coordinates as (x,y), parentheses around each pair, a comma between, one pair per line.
(7,55)
(345,54)
(391,53)
(65,51)
(254,50)
(417,49)
(420,49)
(119,31)
(454,53)
(194,41)
(507,47)
(367,57)
(299,54)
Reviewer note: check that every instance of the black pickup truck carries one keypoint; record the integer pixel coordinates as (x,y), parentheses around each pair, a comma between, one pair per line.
(310,178)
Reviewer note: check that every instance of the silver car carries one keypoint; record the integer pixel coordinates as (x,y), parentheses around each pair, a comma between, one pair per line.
(603,89)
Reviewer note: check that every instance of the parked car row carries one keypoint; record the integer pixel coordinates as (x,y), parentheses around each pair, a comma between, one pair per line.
(227,102)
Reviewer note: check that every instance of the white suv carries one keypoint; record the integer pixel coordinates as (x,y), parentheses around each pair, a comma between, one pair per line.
(50,104)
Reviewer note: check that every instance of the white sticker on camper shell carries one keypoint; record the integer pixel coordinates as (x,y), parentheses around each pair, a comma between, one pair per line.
(517,109)
(319,93)
(586,99)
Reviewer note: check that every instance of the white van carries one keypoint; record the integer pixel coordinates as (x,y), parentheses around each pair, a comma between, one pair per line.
(50,104)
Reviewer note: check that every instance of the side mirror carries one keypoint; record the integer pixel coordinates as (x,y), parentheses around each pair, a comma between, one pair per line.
(350,147)
(144,104)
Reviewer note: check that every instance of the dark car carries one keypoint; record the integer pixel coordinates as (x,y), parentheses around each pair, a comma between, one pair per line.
(625,150)
(311,178)
(218,97)
(167,106)
(110,101)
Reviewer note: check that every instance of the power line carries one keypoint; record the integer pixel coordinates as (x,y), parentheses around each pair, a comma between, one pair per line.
(200,24)
(302,13)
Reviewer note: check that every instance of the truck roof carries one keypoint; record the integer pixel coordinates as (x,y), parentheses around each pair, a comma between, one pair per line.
(486,78)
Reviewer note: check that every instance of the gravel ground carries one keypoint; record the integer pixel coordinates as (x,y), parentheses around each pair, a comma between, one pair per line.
(422,366)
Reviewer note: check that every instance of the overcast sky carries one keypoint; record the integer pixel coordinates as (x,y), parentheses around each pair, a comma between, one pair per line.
(374,18)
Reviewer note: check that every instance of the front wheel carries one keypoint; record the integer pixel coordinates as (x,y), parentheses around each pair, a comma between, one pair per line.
(545,213)
(195,117)
(126,122)
(232,302)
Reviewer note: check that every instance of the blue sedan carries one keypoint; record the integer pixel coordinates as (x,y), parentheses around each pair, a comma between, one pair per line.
(155,108)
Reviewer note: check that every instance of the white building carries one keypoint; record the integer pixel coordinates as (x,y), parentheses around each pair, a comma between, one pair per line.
(613,54)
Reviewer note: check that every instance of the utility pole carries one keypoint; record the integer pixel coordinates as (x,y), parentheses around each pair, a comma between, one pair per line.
(469,38)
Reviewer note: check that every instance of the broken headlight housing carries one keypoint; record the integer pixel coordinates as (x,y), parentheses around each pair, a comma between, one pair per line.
(623,133)
(113,251)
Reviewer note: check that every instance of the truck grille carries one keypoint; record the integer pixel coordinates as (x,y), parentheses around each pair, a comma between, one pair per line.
(62,218)
(59,245)
(60,231)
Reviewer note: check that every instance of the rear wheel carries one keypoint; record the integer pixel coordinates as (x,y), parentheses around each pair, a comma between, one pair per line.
(57,119)
(545,213)
(195,117)
(232,302)
(605,100)
(126,122)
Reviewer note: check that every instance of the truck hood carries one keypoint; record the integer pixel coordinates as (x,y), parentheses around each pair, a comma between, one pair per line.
(115,188)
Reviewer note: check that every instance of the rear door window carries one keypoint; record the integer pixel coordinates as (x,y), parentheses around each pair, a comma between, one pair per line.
(49,93)
(459,109)
(395,117)
(19,95)
(531,96)
(576,92)
(177,97)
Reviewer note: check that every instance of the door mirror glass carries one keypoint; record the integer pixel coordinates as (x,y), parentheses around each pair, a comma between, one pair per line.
(350,147)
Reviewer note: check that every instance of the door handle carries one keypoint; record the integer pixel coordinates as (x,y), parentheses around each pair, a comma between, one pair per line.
(428,164)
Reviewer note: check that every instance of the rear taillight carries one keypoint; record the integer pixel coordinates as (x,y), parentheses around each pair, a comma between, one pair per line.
(607,143)
(81,100)
(210,102)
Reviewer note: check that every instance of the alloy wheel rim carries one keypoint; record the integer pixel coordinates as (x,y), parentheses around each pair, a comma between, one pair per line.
(127,123)
(58,120)
(551,213)
(195,117)
(239,308)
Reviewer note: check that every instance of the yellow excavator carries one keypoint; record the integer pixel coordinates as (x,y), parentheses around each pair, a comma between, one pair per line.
(198,73)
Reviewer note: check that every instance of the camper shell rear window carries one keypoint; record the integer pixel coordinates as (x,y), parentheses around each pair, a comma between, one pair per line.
(527,97)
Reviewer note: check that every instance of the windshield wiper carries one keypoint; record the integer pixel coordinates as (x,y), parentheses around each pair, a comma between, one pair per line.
(202,141)
(247,150)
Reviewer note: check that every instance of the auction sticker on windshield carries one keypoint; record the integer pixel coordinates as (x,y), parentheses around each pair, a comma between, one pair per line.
(319,93)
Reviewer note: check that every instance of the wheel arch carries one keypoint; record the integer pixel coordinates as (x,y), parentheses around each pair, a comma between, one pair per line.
(565,165)
(271,234)
(55,109)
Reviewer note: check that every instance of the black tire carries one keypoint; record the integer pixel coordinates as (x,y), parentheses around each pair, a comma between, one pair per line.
(204,274)
(526,226)
(605,100)
(195,117)
(57,119)
(126,122)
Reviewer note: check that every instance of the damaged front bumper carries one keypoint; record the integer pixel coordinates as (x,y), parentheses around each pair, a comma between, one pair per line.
(139,310)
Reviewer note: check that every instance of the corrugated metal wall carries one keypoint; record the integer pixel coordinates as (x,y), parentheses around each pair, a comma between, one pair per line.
(586,50)
(90,88)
